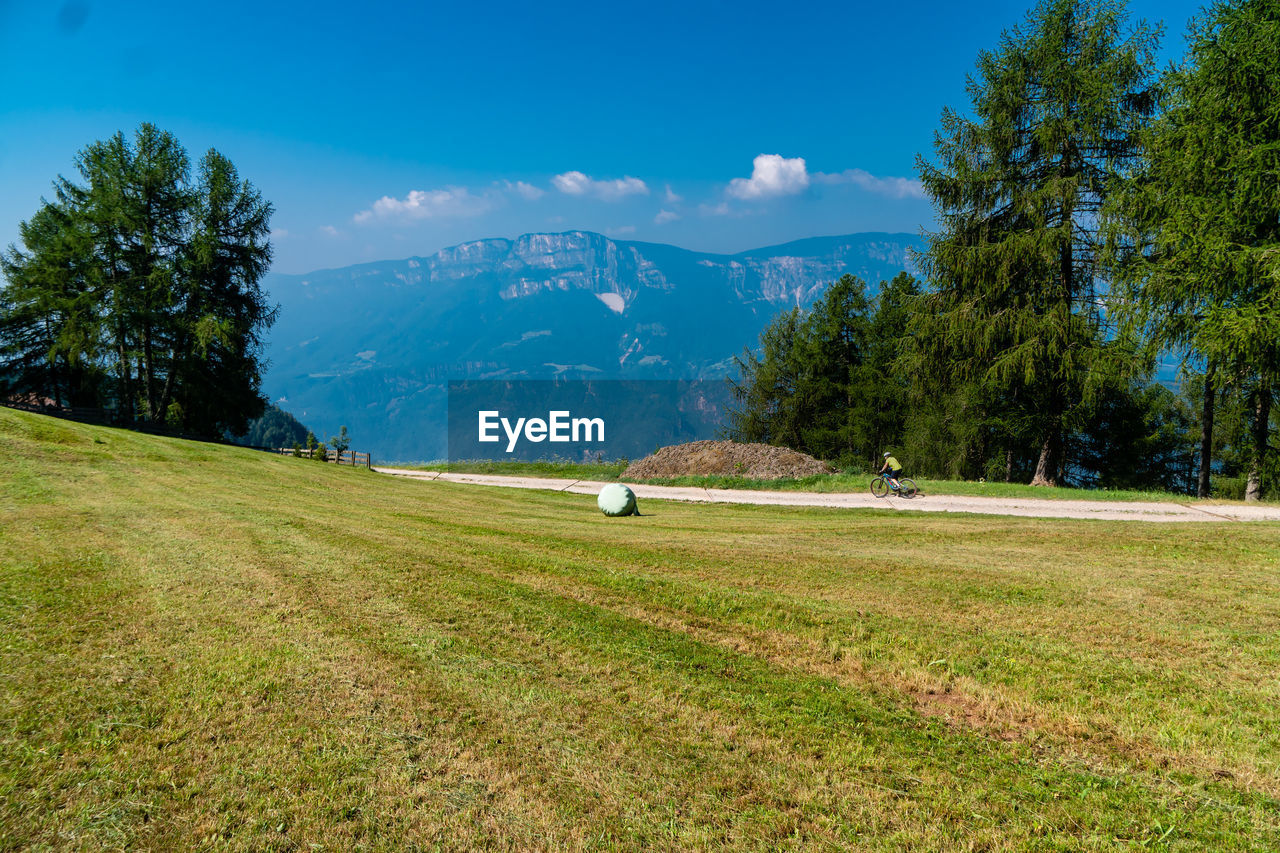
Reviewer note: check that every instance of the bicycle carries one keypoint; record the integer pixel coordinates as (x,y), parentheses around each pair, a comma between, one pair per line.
(906,488)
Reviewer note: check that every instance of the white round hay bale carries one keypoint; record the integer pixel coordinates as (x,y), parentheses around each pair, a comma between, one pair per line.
(616,499)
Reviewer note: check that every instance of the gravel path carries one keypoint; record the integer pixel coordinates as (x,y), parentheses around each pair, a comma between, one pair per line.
(1032,507)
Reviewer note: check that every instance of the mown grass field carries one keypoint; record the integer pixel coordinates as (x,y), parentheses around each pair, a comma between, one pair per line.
(211,647)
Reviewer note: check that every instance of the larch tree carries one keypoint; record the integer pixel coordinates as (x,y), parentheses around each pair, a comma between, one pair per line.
(138,289)
(1198,221)
(49,322)
(1016,303)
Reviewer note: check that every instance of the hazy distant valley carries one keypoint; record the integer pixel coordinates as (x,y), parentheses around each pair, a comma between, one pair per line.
(372,346)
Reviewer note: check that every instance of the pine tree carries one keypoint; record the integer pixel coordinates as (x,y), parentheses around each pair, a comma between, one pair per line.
(50,331)
(1017,298)
(1198,223)
(134,204)
(832,398)
(341,442)
(824,381)
(764,392)
(140,276)
(885,391)
(220,312)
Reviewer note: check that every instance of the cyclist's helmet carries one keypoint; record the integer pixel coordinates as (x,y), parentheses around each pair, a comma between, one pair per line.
(886,456)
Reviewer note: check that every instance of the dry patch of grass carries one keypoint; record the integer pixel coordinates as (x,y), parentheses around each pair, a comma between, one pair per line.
(208,646)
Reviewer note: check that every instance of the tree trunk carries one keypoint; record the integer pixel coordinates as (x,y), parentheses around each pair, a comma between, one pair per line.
(1261,433)
(54,393)
(1008,465)
(125,379)
(1206,433)
(1050,462)
(148,365)
(1047,465)
(975,461)
(167,395)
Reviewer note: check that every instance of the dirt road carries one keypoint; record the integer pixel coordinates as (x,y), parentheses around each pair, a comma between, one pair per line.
(1033,507)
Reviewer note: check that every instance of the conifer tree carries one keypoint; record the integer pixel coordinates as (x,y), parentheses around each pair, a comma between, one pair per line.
(1017,298)
(1199,221)
(830,393)
(138,289)
(764,391)
(823,381)
(49,323)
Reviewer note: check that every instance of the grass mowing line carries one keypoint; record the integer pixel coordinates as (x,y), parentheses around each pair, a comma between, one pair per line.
(77,694)
(313,708)
(1085,686)
(655,547)
(357,691)
(997,713)
(660,657)
(1095,733)
(250,608)
(362,634)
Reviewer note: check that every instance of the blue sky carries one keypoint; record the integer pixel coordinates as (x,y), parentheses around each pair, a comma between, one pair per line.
(389,130)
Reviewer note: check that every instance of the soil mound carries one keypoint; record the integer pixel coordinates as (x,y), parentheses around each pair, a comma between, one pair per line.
(726,459)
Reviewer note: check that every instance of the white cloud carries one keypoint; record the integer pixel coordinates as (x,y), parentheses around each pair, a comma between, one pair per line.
(889,186)
(446,203)
(721,209)
(665,216)
(279,233)
(671,196)
(771,175)
(526,191)
(620,231)
(330,231)
(579,184)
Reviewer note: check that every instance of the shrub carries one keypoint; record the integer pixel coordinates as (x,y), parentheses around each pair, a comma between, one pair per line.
(1229,488)
(341,443)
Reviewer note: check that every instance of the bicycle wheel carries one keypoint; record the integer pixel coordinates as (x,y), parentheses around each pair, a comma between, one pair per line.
(879,487)
(907,487)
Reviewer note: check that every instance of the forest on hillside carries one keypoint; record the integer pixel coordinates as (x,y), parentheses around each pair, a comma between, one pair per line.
(1095,216)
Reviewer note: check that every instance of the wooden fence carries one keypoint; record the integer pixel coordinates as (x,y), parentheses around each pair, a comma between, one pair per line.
(106,417)
(346,457)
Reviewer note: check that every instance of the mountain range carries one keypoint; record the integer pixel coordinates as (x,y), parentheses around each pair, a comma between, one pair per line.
(373,346)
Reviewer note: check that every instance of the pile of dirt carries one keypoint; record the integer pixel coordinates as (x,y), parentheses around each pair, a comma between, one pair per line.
(726,459)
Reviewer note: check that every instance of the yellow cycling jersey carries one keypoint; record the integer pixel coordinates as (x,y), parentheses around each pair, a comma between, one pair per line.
(893,464)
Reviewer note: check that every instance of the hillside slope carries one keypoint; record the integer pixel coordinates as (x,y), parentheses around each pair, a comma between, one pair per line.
(205,645)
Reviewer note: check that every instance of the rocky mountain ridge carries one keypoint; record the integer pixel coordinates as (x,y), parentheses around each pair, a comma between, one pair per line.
(371,346)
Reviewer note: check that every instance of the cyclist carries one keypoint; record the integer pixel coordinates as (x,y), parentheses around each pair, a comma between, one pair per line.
(894,469)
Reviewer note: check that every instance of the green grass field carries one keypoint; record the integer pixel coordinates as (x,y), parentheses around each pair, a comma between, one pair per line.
(209,646)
